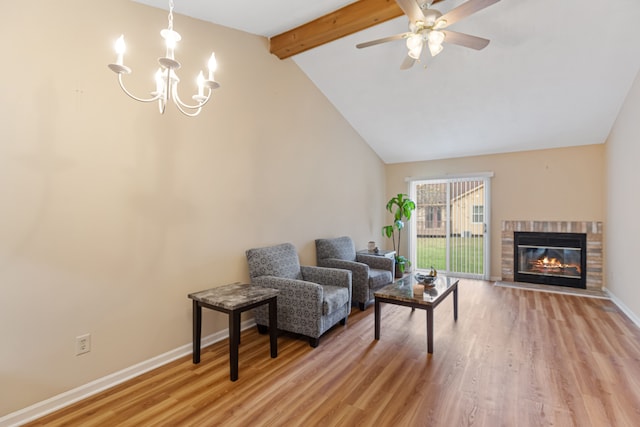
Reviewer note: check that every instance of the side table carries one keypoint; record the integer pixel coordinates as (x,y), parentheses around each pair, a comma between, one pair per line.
(233,299)
(381,252)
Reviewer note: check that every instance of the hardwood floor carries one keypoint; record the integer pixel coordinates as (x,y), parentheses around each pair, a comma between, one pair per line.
(513,358)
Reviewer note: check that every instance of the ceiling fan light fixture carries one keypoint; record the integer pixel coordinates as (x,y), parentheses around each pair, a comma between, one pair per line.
(440,23)
(414,41)
(436,37)
(435,48)
(416,26)
(415,44)
(431,16)
(435,42)
(415,53)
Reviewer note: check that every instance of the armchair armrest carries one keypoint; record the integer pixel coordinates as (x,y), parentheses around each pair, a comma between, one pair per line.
(292,288)
(327,276)
(359,270)
(379,262)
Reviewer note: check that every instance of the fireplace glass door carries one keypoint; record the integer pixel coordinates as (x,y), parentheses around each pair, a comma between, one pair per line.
(546,261)
(550,258)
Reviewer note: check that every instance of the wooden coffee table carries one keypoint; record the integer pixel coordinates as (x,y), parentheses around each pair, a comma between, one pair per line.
(408,292)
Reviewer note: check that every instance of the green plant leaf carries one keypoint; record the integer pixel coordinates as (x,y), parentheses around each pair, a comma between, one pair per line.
(401,206)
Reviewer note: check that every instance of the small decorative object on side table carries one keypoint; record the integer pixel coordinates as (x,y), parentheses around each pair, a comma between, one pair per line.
(233,299)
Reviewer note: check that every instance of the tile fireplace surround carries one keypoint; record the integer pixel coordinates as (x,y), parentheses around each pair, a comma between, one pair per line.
(593,230)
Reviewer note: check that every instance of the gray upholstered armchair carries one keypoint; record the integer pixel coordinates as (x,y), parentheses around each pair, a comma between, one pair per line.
(370,272)
(311,299)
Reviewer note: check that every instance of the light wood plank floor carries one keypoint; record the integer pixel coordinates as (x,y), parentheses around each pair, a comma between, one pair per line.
(513,358)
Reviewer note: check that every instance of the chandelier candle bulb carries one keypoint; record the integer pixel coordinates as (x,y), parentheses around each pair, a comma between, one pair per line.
(120,48)
(212,65)
(200,81)
(171,39)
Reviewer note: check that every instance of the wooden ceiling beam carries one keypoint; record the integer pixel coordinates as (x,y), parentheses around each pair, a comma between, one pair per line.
(345,21)
(342,22)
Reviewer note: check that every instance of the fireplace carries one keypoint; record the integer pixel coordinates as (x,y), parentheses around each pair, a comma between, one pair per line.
(550,258)
(594,254)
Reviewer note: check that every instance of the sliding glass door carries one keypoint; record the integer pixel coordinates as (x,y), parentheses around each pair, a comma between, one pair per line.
(449,228)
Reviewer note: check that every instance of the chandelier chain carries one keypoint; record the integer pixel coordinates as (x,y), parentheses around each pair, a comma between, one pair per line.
(171,14)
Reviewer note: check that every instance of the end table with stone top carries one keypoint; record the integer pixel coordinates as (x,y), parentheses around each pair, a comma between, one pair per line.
(233,299)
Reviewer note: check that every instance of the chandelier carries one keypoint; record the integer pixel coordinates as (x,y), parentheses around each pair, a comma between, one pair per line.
(166,78)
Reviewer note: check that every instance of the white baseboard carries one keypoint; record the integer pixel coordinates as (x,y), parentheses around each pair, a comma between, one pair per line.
(630,314)
(67,398)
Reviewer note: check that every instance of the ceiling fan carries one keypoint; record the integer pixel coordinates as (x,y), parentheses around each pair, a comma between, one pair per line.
(426,26)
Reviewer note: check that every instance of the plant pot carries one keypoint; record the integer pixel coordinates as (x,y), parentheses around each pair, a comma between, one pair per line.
(399,272)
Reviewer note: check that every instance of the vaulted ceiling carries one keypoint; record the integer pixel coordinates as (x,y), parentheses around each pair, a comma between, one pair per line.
(555,73)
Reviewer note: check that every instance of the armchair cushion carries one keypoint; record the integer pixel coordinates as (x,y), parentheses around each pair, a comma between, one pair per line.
(379,278)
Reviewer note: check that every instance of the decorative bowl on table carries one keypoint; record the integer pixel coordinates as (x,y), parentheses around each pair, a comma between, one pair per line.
(425,279)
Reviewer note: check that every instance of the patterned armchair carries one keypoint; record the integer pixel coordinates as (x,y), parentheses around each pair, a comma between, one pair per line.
(311,299)
(370,272)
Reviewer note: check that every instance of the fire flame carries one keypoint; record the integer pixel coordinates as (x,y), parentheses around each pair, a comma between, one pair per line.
(547,264)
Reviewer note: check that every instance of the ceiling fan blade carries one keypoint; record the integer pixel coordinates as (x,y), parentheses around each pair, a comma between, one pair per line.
(383,40)
(411,9)
(465,40)
(407,63)
(464,10)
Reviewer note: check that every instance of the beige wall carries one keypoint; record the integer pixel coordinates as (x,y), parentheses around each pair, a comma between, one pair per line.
(111,213)
(623,205)
(559,184)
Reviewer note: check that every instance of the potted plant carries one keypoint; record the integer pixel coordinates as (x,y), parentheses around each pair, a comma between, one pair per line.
(401,206)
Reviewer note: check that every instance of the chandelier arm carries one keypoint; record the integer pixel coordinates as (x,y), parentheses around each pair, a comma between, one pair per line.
(158,96)
(188,113)
(181,105)
(162,104)
(179,102)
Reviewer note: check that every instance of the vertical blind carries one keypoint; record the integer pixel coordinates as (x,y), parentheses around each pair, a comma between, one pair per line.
(449,229)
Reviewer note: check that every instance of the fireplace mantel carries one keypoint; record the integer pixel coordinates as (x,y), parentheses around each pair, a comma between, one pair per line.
(593,230)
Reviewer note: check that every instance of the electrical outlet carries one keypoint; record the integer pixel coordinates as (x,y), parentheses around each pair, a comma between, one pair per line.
(83,344)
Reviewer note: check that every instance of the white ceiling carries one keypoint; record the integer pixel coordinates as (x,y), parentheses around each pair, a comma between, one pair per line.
(555,74)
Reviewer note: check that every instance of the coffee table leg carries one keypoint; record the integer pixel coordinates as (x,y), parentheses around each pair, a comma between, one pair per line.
(273,327)
(377,319)
(197,329)
(455,303)
(430,329)
(234,343)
